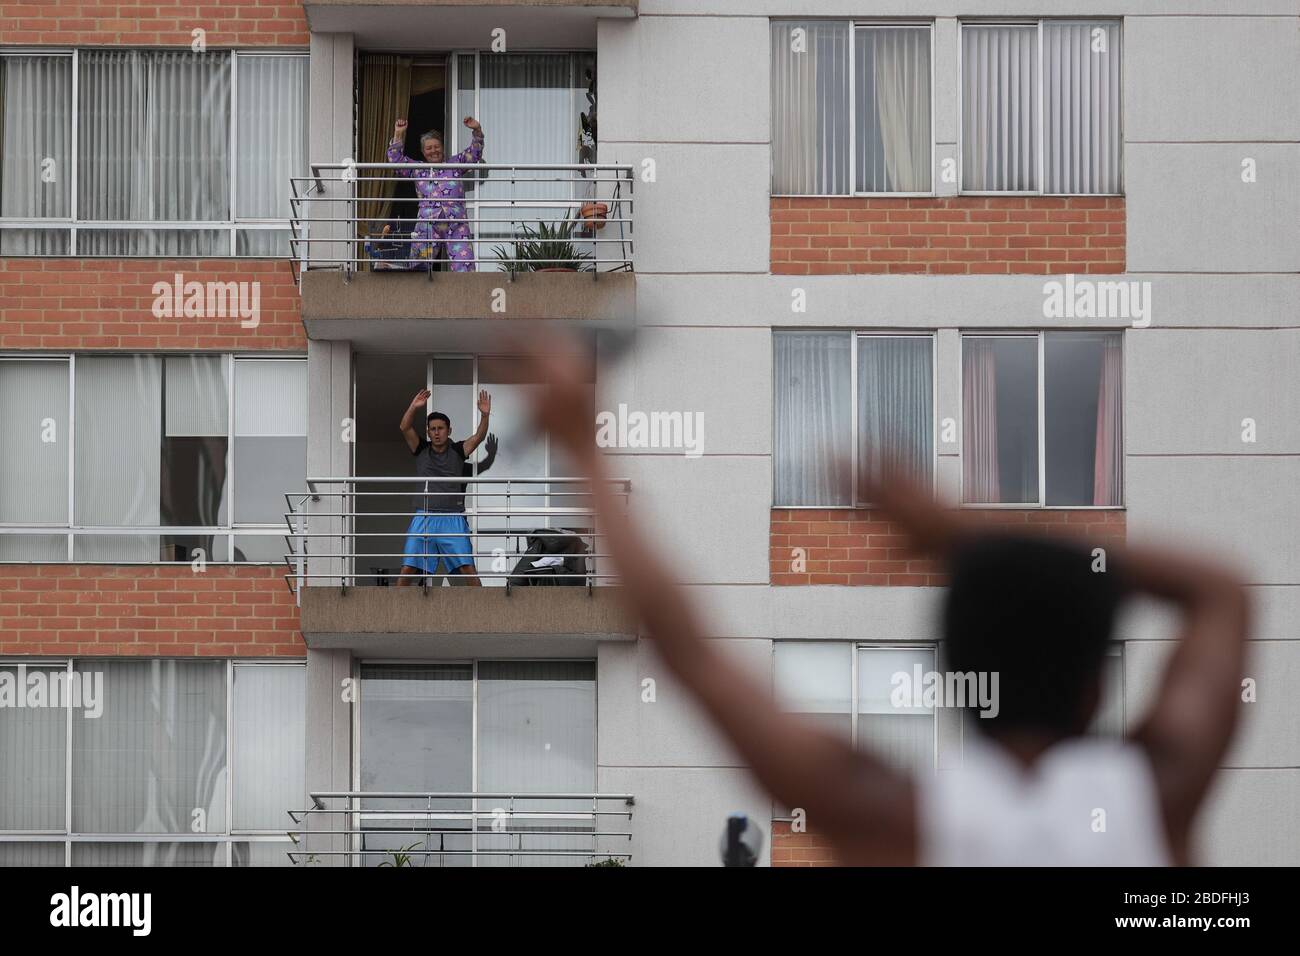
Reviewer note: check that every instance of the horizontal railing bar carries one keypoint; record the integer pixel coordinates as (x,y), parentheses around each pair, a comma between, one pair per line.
(585,834)
(432,478)
(524,853)
(318,795)
(574,167)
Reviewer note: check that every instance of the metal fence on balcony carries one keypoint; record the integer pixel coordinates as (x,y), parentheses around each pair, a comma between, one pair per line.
(520,218)
(434,828)
(522,531)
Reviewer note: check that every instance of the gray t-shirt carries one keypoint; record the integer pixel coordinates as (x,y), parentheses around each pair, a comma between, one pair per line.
(450,463)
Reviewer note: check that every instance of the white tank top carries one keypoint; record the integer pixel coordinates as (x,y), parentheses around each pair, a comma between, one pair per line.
(1087,801)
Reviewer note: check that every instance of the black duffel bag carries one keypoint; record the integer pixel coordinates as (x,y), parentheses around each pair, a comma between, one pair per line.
(538,567)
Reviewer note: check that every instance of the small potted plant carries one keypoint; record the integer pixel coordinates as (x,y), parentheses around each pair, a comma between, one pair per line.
(548,248)
(592,213)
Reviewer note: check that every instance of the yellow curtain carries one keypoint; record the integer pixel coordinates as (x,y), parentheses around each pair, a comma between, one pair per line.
(385,97)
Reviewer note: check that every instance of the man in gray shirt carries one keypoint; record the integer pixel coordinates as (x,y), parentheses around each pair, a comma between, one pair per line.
(439,530)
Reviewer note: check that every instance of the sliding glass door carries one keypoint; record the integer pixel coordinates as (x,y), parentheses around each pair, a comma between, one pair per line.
(502,728)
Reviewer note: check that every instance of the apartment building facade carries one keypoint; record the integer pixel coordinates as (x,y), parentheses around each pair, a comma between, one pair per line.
(1047,252)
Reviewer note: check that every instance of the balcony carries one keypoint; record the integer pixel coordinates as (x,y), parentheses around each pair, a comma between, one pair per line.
(374,828)
(530,24)
(547,241)
(545,584)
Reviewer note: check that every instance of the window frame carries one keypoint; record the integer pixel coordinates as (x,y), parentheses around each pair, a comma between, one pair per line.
(855,334)
(855,647)
(232,530)
(854,26)
(358,816)
(1040,144)
(1041,336)
(72,224)
(226,837)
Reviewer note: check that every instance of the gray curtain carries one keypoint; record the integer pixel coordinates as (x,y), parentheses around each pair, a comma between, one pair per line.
(896,405)
(36,98)
(1081,75)
(999,108)
(153,145)
(810,107)
(813,396)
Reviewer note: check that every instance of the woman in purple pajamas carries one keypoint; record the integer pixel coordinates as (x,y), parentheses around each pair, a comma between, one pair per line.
(442,217)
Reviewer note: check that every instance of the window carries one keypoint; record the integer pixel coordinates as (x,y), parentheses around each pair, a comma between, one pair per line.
(119,152)
(1041,107)
(1042,419)
(851,108)
(154,752)
(839,391)
(149,457)
(817,679)
(501,727)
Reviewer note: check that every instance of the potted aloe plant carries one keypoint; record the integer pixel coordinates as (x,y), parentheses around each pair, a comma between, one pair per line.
(548,248)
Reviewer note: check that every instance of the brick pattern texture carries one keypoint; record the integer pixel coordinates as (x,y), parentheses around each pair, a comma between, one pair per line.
(109,304)
(153,611)
(861,547)
(958,235)
(798,849)
(230,23)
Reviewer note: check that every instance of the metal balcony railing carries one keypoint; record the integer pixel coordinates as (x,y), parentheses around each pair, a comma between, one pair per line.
(521,218)
(353,531)
(433,828)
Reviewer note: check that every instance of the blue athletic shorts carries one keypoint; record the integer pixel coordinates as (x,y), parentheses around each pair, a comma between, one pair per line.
(434,536)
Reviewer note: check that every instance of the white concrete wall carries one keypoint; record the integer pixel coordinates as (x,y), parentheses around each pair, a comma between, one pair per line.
(1207,83)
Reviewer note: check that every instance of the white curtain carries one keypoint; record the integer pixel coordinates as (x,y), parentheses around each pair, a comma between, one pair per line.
(117,469)
(815,679)
(35,150)
(158,751)
(33,749)
(529,113)
(895,405)
(893,109)
(537,732)
(999,108)
(153,145)
(810,107)
(271,132)
(268,744)
(1081,75)
(812,390)
(270,436)
(197,396)
(271,397)
(903,736)
(34,470)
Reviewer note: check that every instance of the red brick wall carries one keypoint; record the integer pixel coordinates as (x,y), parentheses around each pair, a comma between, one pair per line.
(860,547)
(798,849)
(160,610)
(108,304)
(958,235)
(153,22)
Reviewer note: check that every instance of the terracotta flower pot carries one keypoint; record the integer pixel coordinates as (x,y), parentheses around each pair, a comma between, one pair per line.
(593,214)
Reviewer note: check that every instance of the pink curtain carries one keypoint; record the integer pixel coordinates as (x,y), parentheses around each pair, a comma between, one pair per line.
(1108,466)
(980,480)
